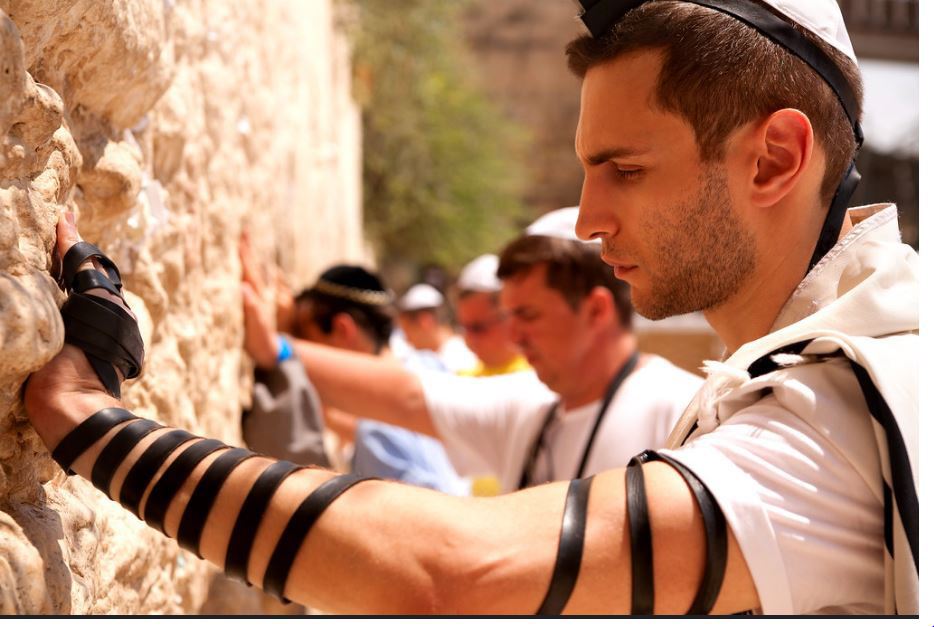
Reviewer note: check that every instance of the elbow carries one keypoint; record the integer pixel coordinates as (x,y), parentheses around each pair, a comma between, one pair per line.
(464,575)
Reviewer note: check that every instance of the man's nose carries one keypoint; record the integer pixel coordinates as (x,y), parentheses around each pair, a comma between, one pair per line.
(593,218)
(515,333)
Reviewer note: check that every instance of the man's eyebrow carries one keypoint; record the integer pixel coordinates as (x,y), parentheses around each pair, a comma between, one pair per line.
(613,153)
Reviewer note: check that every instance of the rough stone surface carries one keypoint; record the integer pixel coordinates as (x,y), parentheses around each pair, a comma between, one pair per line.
(168,128)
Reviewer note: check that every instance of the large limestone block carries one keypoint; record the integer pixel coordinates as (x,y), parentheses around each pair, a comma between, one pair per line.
(169,129)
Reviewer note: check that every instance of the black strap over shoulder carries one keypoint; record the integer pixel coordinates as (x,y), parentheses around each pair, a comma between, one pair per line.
(300,524)
(116,451)
(251,513)
(640,540)
(146,467)
(202,499)
(172,480)
(570,548)
(903,487)
(86,434)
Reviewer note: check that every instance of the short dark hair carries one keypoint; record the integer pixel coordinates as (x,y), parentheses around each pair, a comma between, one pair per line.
(341,290)
(572,268)
(723,74)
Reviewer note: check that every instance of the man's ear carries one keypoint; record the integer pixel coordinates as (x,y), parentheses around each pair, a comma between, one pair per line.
(784,146)
(599,303)
(344,328)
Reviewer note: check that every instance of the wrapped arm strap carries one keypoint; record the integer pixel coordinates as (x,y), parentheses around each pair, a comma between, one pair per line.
(570,548)
(171,481)
(307,514)
(640,540)
(146,467)
(203,497)
(251,513)
(117,450)
(86,434)
(715,532)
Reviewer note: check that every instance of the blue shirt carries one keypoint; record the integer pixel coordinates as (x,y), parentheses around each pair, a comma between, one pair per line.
(392,452)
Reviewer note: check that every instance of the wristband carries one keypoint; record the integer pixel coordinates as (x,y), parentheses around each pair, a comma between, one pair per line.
(285,349)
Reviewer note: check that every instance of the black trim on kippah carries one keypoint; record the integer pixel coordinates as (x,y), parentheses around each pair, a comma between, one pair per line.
(172,480)
(116,451)
(640,540)
(146,467)
(599,16)
(202,499)
(251,513)
(86,434)
(300,524)
(570,548)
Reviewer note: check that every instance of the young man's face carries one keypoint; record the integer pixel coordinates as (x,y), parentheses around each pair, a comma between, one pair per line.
(553,337)
(665,218)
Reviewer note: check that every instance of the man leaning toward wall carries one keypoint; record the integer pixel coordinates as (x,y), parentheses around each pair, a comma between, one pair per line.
(711,155)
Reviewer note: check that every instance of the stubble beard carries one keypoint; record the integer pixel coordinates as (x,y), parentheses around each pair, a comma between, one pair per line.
(703,253)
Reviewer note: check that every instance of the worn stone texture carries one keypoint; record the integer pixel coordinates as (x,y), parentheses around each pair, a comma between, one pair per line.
(169,128)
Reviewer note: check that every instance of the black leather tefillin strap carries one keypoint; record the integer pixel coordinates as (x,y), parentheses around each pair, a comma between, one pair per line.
(298,527)
(86,434)
(570,548)
(599,16)
(116,451)
(248,520)
(171,481)
(640,537)
(106,332)
(146,467)
(202,499)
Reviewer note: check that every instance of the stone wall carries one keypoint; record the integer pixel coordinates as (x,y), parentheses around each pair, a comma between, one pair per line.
(168,127)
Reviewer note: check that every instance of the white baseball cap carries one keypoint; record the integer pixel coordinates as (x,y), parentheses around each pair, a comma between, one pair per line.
(420,296)
(559,223)
(480,275)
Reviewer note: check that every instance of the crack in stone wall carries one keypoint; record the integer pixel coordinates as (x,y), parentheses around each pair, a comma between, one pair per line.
(168,128)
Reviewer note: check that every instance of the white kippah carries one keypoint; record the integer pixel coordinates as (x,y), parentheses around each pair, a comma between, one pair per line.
(480,275)
(420,296)
(559,223)
(821,17)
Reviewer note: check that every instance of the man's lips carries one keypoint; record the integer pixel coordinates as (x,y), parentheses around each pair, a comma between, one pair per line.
(619,266)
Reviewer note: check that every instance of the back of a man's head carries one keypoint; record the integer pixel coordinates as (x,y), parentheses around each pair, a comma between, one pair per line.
(723,74)
(572,268)
(354,291)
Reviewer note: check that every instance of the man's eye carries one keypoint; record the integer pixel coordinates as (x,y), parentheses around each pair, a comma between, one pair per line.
(628,174)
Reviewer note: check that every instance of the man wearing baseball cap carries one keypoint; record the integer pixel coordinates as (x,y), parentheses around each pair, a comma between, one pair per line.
(423,320)
(481,317)
(717,139)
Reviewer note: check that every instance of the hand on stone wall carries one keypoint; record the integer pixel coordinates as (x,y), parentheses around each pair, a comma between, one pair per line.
(259,333)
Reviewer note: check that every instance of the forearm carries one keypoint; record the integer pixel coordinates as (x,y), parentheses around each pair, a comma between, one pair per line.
(365,385)
(381,547)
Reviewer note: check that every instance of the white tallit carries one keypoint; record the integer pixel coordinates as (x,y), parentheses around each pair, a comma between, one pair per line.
(861,299)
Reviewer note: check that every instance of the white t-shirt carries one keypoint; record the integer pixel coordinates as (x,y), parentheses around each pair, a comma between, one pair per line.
(455,355)
(792,457)
(489,425)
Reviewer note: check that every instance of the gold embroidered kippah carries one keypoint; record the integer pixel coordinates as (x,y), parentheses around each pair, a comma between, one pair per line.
(355,294)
